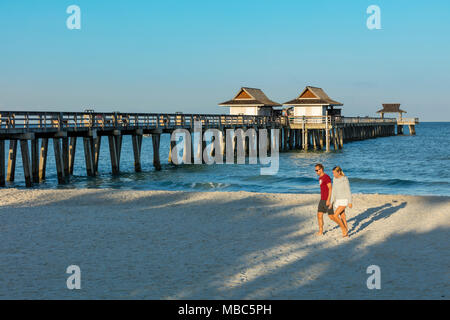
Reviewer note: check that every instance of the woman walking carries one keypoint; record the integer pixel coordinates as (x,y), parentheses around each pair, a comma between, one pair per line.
(341,198)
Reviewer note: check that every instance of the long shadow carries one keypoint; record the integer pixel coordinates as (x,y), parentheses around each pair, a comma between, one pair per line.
(372,215)
(411,268)
(136,247)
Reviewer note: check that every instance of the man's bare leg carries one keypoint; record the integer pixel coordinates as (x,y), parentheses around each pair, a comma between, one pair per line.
(320,220)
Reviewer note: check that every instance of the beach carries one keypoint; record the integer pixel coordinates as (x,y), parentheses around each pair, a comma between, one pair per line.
(219,245)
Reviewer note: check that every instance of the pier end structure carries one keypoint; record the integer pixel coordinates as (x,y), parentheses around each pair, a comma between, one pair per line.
(395,109)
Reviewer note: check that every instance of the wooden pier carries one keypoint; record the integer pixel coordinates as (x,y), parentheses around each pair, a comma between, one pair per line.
(319,132)
(32,131)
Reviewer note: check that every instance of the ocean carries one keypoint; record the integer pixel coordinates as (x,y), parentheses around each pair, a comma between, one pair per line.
(412,165)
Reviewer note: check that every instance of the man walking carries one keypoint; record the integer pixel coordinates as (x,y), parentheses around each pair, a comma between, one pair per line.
(325,196)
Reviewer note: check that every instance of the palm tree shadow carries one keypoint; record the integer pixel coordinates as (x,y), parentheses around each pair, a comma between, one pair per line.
(366,218)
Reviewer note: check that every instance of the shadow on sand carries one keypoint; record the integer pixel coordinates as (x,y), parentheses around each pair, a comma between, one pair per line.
(156,248)
(363,220)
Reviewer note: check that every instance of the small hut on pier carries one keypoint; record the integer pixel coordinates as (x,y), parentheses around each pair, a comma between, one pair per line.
(250,101)
(391,108)
(314,101)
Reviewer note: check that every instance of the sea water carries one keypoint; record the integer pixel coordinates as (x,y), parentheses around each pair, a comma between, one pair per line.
(413,165)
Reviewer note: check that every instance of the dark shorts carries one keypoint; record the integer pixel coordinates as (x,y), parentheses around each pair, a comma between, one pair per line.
(324,208)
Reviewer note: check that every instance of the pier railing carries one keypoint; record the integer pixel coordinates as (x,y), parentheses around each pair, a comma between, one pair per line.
(77,120)
(310,119)
(333,120)
(44,121)
(364,120)
(408,121)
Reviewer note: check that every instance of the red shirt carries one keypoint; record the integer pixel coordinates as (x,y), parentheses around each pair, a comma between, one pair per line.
(324,191)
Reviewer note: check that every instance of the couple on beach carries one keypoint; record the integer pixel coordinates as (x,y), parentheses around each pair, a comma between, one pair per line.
(334,199)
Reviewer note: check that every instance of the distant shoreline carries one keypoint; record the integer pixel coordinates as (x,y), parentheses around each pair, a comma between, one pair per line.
(56,188)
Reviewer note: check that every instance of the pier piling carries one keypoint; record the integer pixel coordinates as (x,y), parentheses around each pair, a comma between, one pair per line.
(65,157)
(58,160)
(35,160)
(114,152)
(43,159)
(12,155)
(137,147)
(156,137)
(97,143)
(72,151)
(2,163)
(26,162)
(89,156)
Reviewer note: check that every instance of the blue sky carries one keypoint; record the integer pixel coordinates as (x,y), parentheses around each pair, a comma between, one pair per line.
(167,56)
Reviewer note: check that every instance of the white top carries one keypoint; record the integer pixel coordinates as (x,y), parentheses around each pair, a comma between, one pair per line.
(341,190)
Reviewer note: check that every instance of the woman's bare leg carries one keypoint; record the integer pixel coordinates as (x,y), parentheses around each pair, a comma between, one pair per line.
(336,218)
(344,219)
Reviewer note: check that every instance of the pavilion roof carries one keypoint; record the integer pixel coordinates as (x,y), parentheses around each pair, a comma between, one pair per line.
(313,96)
(391,108)
(250,97)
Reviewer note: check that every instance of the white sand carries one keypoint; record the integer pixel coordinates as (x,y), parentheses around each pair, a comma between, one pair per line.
(181,245)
